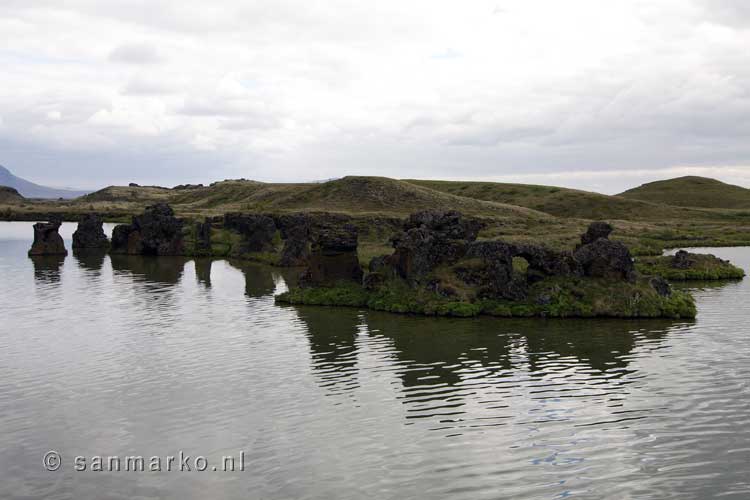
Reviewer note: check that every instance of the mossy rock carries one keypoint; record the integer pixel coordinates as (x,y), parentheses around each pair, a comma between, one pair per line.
(703,268)
(554,297)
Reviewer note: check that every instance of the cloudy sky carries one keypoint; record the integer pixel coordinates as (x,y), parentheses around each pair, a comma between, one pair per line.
(600,95)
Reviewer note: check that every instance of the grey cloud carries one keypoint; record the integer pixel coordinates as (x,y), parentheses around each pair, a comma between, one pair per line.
(494,135)
(354,101)
(146,87)
(135,53)
(735,13)
(250,123)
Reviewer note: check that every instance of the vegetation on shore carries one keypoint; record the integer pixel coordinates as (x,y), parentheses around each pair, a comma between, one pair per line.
(554,298)
(702,268)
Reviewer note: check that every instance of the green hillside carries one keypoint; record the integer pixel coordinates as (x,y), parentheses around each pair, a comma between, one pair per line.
(349,195)
(557,201)
(9,195)
(692,192)
(514,212)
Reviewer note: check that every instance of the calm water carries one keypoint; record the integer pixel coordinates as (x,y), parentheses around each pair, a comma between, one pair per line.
(134,356)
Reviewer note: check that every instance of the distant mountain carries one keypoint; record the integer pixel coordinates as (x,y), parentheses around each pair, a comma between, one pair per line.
(692,191)
(30,190)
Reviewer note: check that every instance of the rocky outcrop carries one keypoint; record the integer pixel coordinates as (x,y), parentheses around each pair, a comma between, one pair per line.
(683,260)
(156,232)
(595,231)
(600,257)
(258,231)
(203,237)
(662,286)
(89,236)
(430,239)
(545,262)
(295,231)
(493,275)
(47,240)
(333,255)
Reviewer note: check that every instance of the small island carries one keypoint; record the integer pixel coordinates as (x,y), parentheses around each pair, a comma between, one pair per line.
(686,266)
(438,267)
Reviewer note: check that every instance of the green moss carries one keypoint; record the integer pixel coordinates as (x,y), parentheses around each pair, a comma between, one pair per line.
(341,294)
(704,268)
(554,297)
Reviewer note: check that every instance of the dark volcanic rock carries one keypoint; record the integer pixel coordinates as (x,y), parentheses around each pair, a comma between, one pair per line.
(661,286)
(125,240)
(333,255)
(295,231)
(257,230)
(47,241)
(156,232)
(545,262)
(90,235)
(430,239)
(602,258)
(494,277)
(373,281)
(203,237)
(595,231)
(682,260)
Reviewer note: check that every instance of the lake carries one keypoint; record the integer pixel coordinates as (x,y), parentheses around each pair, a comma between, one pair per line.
(128,356)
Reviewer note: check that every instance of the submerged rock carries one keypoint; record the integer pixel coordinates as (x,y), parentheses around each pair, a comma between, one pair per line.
(47,240)
(603,258)
(156,232)
(90,234)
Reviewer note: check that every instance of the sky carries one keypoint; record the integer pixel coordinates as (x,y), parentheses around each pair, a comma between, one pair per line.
(582,93)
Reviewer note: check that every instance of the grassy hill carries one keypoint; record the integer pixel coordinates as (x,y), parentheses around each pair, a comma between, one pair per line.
(560,202)
(516,212)
(353,195)
(9,195)
(692,192)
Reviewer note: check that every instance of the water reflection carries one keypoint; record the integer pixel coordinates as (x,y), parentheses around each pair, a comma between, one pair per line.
(203,271)
(342,403)
(445,364)
(259,281)
(47,267)
(333,348)
(90,260)
(165,270)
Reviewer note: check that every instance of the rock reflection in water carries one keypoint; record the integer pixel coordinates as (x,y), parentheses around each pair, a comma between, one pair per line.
(443,363)
(91,260)
(47,267)
(203,271)
(260,279)
(165,270)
